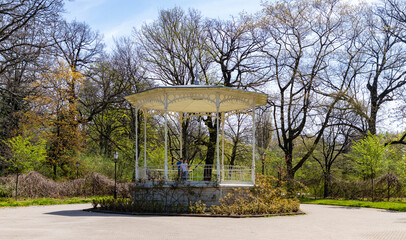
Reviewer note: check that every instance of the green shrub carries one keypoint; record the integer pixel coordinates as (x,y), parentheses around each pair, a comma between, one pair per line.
(197,207)
(264,198)
(8,202)
(5,191)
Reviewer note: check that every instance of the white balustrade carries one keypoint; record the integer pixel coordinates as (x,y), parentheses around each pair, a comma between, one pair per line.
(229,174)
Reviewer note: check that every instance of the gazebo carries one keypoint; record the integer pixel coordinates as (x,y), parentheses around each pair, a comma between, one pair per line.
(197,99)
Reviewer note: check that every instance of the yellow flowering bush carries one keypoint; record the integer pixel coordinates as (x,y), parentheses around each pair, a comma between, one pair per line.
(267,197)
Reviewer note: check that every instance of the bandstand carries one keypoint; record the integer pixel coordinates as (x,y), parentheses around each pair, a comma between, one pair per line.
(217,101)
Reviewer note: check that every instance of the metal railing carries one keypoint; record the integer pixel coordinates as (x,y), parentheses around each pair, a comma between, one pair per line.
(236,174)
(228,173)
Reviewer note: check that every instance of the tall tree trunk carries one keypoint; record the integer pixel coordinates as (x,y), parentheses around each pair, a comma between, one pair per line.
(211,149)
(289,166)
(389,185)
(185,125)
(372,119)
(234,153)
(373,91)
(55,166)
(17,185)
(326,191)
(290,175)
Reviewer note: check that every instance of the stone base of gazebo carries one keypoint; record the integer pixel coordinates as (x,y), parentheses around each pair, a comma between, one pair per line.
(183,193)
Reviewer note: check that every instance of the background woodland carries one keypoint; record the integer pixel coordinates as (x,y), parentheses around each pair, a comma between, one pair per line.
(335,73)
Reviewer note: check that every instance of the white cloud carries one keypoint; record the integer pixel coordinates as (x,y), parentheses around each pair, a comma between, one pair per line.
(81,9)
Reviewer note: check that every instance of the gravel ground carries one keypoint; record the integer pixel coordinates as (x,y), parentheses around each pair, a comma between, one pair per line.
(320,222)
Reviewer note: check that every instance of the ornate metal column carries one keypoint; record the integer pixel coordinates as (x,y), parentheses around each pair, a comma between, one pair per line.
(181,134)
(253,142)
(136,144)
(145,139)
(166,138)
(218,140)
(222,146)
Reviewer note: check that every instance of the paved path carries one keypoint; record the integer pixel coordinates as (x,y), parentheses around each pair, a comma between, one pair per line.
(320,222)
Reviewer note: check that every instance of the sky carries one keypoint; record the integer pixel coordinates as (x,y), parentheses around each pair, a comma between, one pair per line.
(117,18)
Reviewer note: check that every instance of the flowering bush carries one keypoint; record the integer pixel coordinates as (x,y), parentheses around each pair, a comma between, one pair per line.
(267,197)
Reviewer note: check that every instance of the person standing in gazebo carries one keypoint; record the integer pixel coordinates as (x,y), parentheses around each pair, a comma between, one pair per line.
(178,163)
(185,169)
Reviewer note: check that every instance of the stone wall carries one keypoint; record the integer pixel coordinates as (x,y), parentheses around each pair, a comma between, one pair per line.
(181,193)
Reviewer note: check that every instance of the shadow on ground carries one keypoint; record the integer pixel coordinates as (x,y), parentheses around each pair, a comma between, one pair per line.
(401,220)
(82,213)
(354,207)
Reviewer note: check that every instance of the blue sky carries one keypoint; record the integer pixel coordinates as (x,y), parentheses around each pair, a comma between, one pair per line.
(116,18)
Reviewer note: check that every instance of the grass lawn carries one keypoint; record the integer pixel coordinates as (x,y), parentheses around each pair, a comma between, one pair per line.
(396,206)
(10,202)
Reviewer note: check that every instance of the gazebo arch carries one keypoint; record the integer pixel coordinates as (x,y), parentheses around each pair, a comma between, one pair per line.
(198,99)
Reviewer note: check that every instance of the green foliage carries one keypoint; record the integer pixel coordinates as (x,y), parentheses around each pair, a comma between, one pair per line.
(197,207)
(5,191)
(370,170)
(385,186)
(6,202)
(26,153)
(369,153)
(61,120)
(96,201)
(396,162)
(265,198)
(104,164)
(97,163)
(395,206)
(402,169)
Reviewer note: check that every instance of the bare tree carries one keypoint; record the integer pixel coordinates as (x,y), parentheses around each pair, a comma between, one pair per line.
(102,92)
(23,41)
(304,37)
(386,61)
(238,132)
(335,141)
(234,46)
(172,47)
(78,45)
(21,19)
(264,131)
(395,10)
